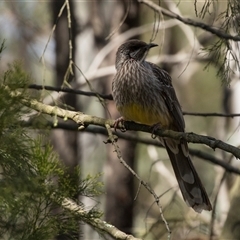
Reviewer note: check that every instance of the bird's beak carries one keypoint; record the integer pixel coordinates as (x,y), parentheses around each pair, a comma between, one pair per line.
(151,45)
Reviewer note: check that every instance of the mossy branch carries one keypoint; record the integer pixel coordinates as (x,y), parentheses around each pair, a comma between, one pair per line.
(97,223)
(83,120)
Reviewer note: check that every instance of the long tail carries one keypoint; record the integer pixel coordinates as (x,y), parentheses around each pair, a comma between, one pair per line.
(189,182)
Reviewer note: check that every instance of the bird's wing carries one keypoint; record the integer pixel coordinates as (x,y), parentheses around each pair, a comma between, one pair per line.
(169,95)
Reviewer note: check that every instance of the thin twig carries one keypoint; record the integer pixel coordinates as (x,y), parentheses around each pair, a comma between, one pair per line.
(71,90)
(69,71)
(121,23)
(145,184)
(231,115)
(92,90)
(53,29)
(218,32)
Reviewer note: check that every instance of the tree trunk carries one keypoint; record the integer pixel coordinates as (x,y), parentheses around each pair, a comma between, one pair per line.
(64,142)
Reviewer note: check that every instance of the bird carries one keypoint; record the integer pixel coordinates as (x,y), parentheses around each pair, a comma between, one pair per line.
(143,93)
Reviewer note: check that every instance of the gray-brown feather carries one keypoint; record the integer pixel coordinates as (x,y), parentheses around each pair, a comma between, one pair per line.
(140,82)
(146,90)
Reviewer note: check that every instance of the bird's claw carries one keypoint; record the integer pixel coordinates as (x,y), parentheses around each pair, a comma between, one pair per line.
(117,122)
(155,128)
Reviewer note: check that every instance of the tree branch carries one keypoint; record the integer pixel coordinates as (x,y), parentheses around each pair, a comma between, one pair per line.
(70,90)
(109,97)
(100,130)
(189,137)
(96,222)
(218,32)
(231,115)
(84,120)
(145,184)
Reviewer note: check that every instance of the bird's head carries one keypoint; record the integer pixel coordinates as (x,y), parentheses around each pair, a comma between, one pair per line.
(133,49)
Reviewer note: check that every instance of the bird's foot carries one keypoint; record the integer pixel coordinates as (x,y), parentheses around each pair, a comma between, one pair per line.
(117,122)
(155,128)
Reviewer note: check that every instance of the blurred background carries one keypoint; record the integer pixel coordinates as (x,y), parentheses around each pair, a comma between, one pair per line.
(73,44)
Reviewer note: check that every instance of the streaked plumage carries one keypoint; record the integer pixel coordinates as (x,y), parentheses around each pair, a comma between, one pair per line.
(143,93)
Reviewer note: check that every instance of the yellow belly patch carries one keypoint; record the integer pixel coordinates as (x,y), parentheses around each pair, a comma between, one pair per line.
(137,113)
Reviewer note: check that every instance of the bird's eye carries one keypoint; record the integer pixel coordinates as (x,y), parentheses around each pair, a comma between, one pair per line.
(133,52)
(133,49)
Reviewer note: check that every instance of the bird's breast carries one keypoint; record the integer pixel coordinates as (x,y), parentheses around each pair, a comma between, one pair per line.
(137,94)
(145,115)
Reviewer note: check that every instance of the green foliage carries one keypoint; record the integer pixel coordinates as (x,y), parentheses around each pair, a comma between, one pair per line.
(222,52)
(32,180)
(218,53)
